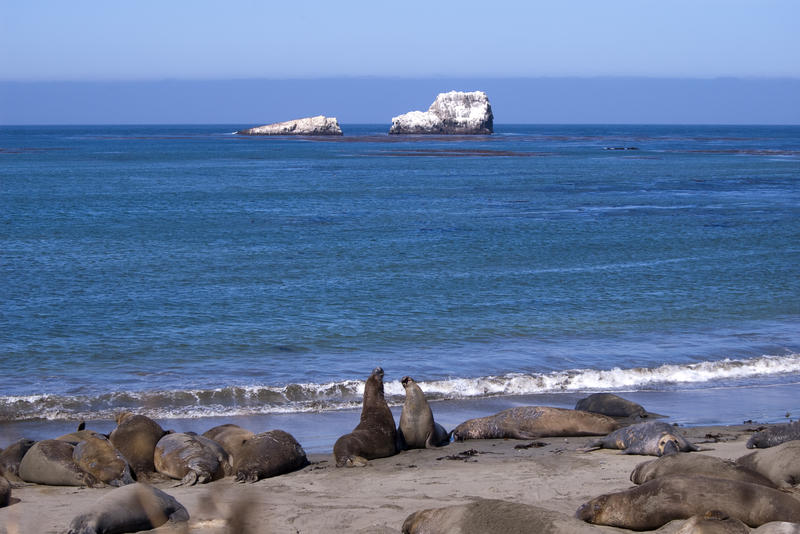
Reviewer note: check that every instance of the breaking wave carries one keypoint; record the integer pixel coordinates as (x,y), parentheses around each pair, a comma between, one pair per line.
(310,397)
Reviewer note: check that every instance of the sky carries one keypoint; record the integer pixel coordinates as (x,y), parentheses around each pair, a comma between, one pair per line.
(47,43)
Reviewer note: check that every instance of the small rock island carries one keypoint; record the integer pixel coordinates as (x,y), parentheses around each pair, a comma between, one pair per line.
(455,112)
(319,125)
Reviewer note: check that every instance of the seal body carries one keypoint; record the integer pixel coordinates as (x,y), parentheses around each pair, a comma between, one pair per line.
(5,492)
(231,437)
(267,455)
(77,436)
(774,435)
(656,503)
(531,422)
(50,462)
(780,464)
(191,459)
(11,457)
(98,457)
(696,464)
(713,523)
(131,508)
(376,434)
(654,439)
(417,428)
(136,437)
(613,406)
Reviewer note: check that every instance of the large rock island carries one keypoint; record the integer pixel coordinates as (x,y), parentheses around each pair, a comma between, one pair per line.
(319,125)
(455,112)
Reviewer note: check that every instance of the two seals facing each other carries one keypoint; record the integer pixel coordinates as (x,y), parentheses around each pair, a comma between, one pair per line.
(417,429)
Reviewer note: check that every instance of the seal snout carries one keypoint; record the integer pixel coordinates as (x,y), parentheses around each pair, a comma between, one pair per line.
(669,446)
(378,371)
(405,381)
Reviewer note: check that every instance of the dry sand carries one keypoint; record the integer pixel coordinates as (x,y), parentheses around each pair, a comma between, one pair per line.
(377,498)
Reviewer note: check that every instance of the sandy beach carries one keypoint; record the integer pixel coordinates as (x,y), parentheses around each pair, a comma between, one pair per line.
(377,498)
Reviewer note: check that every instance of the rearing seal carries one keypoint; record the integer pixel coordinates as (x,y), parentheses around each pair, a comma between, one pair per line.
(417,428)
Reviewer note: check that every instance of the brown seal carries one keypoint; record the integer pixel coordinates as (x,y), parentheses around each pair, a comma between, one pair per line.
(530,422)
(190,458)
(654,439)
(267,455)
(656,503)
(417,429)
(713,523)
(98,457)
(50,462)
(780,464)
(695,464)
(5,492)
(231,437)
(11,457)
(376,434)
(131,508)
(613,406)
(136,437)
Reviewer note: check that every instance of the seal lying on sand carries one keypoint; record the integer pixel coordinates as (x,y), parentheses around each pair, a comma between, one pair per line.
(417,428)
(191,459)
(654,439)
(11,457)
(376,435)
(774,435)
(695,464)
(50,462)
(231,437)
(131,508)
(613,406)
(98,457)
(5,492)
(656,503)
(531,422)
(780,464)
(136,437)
(484,516)
(267,455)
(713,523)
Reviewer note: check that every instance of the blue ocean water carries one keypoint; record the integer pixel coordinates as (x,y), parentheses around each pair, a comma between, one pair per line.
(186,272)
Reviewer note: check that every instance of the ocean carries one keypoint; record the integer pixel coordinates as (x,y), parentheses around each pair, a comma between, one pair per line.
(201,277)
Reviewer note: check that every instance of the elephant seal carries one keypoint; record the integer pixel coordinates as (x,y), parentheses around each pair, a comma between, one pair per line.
(656,503)
(98,457)
(191,459)
(531,422)
(490,515)
(654,439)
(267,455)
(777,527)
(5,492)
(780,464)
(613,406)
(376,435)
(696,464)
(78,436)
(136,437)
(50,462)
(774,435)
(131,508)
(713,523)
(231,437)
(417,428)
(11,457)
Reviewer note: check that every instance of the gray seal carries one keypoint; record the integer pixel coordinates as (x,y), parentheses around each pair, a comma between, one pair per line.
(5,492)
(613,406)
(98,457)
(191,459)
(531,422)
(653,438)
(696,464)
(267,455)
(774,435)
(656,503)
(131,508)
(780,464)
(417,428)
(50,462)
(713,522)
(11,457)
(375,436)
(231,437)
(136,437)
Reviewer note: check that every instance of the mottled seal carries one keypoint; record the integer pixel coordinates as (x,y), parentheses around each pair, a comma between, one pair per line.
(191,459)
(774,435)
(531,422)
(50,462)
(231,437)
(485,516)
(653,438)
(131,508)
(659,501)
(5,492)
(98,457)
(696,464)
(780,464)
(713,523)
(267,455)
(11,457)
(417,429)
(376,434)
(613,406)
(136,437)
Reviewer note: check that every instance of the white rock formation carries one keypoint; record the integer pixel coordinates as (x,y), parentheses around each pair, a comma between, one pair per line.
(319,125)
(455,112)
